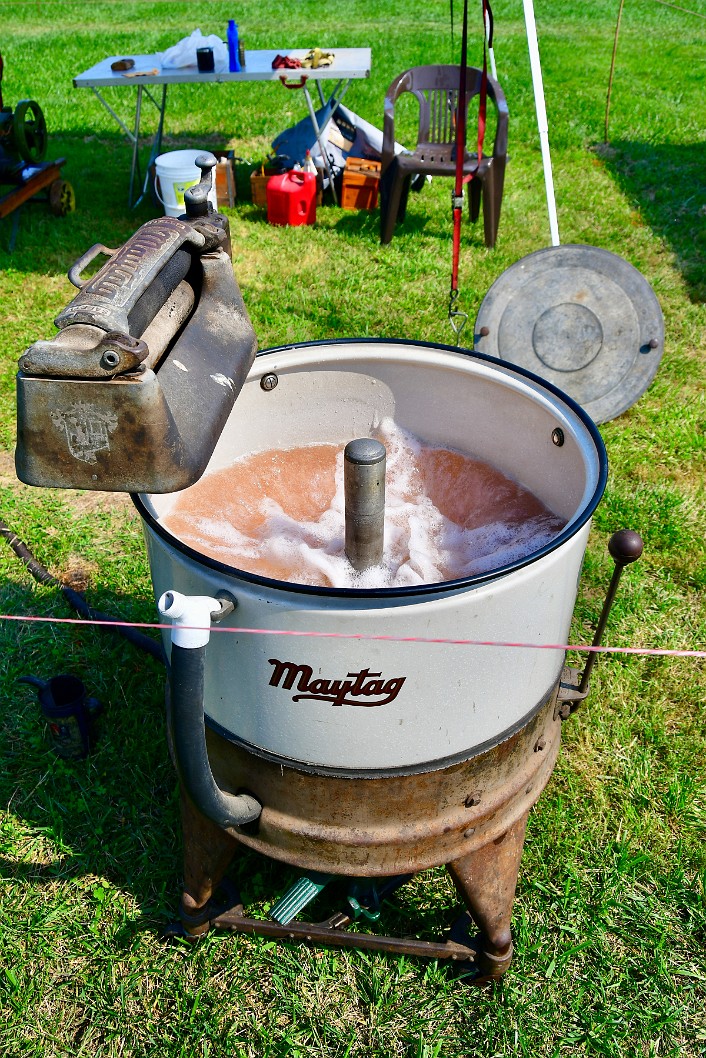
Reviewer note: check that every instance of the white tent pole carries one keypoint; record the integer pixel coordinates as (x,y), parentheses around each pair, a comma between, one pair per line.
(541,109)
(491,53)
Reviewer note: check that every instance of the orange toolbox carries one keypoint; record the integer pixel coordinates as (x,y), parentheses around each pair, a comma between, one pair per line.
(258,185)
(361,183)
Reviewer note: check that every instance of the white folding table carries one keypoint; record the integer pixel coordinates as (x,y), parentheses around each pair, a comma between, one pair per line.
(349,64)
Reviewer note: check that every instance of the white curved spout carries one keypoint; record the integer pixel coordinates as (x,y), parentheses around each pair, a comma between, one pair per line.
(190,616)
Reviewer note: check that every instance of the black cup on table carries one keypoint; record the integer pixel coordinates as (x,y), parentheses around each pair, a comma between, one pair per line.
(204,60)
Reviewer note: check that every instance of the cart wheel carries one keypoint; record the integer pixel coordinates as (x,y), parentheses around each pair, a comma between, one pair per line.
(29,131)
(62,199)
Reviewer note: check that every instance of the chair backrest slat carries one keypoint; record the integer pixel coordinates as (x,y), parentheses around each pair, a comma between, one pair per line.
(436,90)
(437,114)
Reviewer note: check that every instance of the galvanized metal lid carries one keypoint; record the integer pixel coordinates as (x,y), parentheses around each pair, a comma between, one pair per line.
(580,317)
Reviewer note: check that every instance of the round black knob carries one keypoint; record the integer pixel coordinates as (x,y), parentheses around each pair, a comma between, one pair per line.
(205,162)
(625,546)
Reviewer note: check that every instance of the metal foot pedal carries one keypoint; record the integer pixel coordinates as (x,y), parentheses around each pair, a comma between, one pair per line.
(301,893)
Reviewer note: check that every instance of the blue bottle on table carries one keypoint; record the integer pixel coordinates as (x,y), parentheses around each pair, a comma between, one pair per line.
(232,38)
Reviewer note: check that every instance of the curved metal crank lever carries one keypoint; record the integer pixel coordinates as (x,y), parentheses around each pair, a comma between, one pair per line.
(625,547)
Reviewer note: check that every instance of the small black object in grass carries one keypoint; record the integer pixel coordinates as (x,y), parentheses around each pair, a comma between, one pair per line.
(69,713)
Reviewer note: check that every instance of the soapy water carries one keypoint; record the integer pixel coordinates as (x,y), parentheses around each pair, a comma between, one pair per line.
(280,514)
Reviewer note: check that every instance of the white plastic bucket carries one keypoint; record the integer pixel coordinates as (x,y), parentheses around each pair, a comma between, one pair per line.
(175,172)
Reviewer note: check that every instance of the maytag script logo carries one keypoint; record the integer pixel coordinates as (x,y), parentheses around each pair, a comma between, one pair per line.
(357,686)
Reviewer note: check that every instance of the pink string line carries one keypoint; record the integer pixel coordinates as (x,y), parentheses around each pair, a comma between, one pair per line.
(646,651)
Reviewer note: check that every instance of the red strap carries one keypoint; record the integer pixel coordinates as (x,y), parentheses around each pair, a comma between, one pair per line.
(461,116)
(461,104)
(460,155)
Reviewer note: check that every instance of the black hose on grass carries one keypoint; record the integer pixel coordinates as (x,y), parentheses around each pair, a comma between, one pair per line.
(74,598)
(38,571)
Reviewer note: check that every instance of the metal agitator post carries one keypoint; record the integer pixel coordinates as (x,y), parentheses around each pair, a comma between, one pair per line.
(364,479)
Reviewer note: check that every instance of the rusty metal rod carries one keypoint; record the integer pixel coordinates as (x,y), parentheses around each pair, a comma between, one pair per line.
(625,547)
(318,933)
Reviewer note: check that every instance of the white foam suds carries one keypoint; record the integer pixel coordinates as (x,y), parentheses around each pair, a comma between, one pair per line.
(422,544)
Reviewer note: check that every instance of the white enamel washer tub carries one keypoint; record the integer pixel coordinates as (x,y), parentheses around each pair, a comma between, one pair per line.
(412,706)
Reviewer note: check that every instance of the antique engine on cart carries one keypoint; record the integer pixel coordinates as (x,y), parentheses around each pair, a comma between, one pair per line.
(23,146)
(23,135)
(137,392)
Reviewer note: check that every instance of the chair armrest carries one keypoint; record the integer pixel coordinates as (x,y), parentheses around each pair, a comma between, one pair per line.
(400,84)
(388,134)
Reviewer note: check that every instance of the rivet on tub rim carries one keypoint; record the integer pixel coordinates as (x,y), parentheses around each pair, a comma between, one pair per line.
(268,382)
(558,437)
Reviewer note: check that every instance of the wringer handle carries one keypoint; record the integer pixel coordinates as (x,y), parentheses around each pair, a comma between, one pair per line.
(625,547)
(196,201)
(84,260)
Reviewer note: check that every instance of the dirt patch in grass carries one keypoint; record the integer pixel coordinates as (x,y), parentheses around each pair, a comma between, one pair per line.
(80,501)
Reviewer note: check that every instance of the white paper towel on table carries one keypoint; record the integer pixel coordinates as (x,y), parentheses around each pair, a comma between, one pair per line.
(184,53)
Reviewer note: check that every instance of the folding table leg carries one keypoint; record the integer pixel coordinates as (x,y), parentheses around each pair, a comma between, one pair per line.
(134,168)
(317,132)
(156,148)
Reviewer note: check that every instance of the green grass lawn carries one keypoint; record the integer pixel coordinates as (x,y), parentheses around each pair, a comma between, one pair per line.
(610,918)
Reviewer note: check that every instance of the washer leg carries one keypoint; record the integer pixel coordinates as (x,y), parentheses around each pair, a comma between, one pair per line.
(208,851)
(486,881)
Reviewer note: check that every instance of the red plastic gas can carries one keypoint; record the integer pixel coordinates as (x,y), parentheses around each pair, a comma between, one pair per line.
(291,198)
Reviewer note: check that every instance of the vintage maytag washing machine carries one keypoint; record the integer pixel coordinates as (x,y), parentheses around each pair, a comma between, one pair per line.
(366,752)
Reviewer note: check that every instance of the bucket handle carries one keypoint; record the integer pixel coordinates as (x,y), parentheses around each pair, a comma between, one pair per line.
(156,191)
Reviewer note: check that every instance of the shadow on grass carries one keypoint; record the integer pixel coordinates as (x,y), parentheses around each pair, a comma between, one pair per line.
(667,184)
(114,814)
(75,825)
(98,168)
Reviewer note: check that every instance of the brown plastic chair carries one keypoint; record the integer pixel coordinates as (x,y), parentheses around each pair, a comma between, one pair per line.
(436,89)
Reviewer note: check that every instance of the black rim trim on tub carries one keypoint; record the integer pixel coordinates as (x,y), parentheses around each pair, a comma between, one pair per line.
(407,591)
(292,764)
